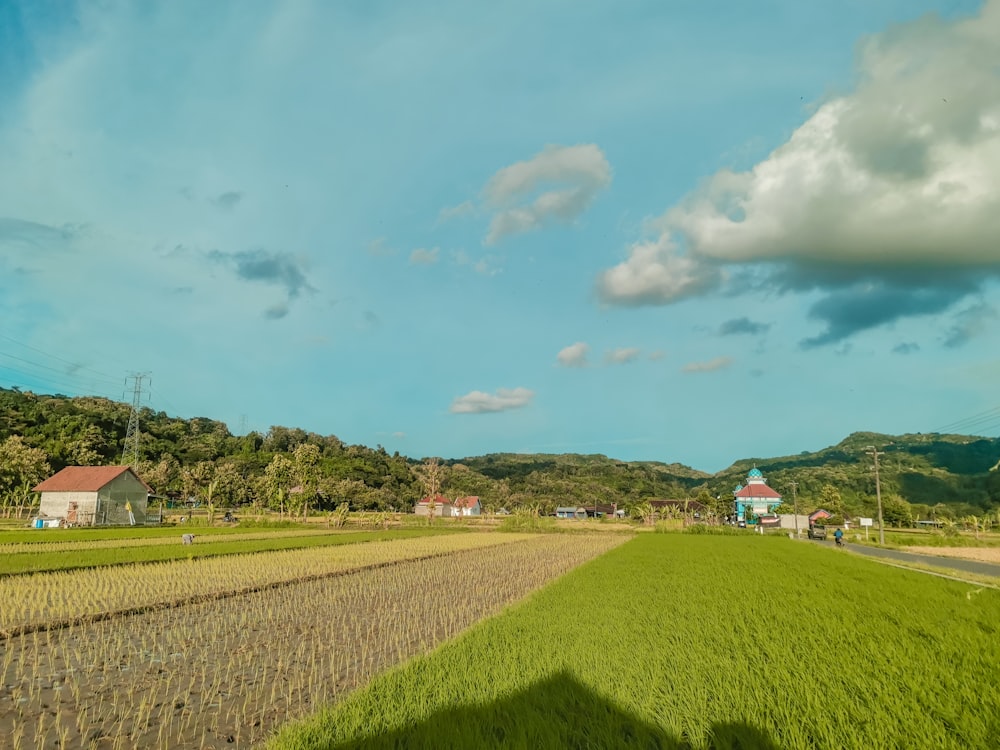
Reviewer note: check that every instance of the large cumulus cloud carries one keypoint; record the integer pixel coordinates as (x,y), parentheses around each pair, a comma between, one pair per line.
(888,196)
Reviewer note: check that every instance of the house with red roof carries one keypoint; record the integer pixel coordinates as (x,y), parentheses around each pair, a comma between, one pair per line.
(755,498)
(442,506)
(818,516)
(94,496)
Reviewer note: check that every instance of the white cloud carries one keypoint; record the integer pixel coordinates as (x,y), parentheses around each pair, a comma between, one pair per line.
(719,363)
(424,257)
(656,356)
(466,208)
(557,184)
(485,266)
(379,247)
(656,273)
(399,435)
(574,355)
(621,356)
(898,179)
(478,402)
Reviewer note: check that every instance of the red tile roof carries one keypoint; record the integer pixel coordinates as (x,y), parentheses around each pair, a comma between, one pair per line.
(438,500)
(757,490)
(467,502)
(84,479)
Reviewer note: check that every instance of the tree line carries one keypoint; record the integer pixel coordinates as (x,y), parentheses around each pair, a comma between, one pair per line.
(295,472)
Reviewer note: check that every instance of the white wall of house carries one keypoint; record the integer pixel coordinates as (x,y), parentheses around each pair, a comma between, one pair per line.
(440,509)
(58,504)
(104,507)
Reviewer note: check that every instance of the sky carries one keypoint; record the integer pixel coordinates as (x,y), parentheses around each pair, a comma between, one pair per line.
(694,231)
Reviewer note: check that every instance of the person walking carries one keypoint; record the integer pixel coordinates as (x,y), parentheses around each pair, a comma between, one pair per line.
(131,516)
(838,537)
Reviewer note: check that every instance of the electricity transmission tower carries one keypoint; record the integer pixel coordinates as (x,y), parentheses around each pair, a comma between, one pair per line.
(130,450)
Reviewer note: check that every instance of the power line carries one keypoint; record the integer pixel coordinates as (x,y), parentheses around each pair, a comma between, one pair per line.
(59,371)
(58,386)
(990,417)
(75,365)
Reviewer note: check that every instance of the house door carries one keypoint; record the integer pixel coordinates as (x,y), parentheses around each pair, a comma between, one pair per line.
(71,513)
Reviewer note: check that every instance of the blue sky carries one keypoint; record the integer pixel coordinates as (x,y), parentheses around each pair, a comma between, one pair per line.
(687,231)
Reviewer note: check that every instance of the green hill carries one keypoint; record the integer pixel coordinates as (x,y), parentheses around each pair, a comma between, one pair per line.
(947,475)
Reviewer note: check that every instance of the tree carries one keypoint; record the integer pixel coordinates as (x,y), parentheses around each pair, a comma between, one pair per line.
(278,481)
(88,448)
(644,512)
(161,476)
(431,475)
(305,460)
(230,486)
(829,499)
(338,518)
(21,468)
(896,511)
(974,523)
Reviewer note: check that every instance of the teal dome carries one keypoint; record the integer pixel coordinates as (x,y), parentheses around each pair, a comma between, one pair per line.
(738,488)
(755,474)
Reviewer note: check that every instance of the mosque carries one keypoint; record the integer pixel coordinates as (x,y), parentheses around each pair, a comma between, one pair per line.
(756,497)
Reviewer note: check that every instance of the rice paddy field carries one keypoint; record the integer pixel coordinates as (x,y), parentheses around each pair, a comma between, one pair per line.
(219,651)
(479,640)
(684,641)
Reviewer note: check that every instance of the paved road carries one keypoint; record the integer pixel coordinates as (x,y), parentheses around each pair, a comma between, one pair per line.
(952,563)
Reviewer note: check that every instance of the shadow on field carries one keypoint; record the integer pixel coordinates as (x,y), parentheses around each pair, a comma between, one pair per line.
(558,712)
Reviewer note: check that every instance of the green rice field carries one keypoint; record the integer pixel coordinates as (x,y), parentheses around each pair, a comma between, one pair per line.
(684,641)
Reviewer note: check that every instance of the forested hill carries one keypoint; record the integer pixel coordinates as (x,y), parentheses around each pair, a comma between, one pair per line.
(199,456)
(960,471)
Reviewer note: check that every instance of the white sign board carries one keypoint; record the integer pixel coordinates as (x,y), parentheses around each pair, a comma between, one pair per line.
(865,521)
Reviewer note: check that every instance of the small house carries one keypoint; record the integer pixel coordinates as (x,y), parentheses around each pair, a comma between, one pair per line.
(94,496)
(438,505)
(445,508)
(467,506)
(819,516)
(570,511)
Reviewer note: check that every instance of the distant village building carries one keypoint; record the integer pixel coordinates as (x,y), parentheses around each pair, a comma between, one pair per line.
(756,497)
(819,516)
(445,508)
(570,511)
(94,496)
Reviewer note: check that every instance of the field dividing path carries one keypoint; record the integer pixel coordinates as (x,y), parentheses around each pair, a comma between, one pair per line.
(913,558)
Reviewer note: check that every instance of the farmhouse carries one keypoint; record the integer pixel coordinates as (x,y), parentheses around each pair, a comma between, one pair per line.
(94,496)
(570,511)
(756,498)
(443,507)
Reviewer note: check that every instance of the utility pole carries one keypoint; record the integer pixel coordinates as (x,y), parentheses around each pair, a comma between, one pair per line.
(878,492)
(795,505)
(130,449)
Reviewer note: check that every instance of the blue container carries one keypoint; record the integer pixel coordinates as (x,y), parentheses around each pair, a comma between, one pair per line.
(39,523)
